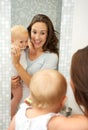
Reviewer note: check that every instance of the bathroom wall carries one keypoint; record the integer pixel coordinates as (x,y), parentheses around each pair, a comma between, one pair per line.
(73,27)
(74,35)
(80,25)
(22,11)
(5,19)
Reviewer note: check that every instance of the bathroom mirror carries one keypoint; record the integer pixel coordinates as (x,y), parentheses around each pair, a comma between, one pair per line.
(22,13)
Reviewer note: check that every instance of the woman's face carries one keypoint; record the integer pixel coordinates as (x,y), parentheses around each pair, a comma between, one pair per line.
(39,34)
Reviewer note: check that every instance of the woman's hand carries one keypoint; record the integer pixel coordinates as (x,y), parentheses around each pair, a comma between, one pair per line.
(15,53)
(15,82)
(31,47)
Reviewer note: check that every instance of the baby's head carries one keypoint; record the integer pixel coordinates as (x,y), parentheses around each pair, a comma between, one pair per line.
(19,36)
(47,88)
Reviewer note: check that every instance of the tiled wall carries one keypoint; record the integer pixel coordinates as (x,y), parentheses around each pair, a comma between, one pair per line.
(5,13)
(21,12)
(66,49)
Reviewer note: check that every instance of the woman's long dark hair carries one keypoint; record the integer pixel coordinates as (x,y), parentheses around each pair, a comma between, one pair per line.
(52,40)
(79,76)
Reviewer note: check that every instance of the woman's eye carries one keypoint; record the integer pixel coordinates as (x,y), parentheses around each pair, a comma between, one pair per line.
(34,32)
(42,33)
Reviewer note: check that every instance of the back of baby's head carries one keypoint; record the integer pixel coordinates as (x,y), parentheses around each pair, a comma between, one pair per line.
(47,87)
(18,30)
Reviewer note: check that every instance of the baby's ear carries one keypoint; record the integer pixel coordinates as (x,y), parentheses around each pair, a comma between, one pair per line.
(12,40)
(64,101)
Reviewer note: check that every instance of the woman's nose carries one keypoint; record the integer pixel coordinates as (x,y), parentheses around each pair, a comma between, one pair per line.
(37,36)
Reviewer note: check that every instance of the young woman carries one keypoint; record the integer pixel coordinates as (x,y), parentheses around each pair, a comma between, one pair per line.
(79,83)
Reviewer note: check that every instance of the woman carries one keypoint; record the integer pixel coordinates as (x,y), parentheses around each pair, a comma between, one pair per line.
(79,83)
(44,40)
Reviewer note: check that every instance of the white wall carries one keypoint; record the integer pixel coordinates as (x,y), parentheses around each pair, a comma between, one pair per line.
(80,25)
(74,30)
(79,38)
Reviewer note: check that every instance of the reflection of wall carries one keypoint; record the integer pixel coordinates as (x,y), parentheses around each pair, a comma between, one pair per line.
(22,11)
(80,25)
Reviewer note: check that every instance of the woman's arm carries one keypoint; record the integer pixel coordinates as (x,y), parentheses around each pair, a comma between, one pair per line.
(23,74)
(15,82)
(16,62)
(68,123)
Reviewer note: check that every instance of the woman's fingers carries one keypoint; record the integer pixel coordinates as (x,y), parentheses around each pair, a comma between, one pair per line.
(15,82)
(31,48)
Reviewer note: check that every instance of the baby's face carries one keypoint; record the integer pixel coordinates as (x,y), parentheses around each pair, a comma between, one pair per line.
(22,41)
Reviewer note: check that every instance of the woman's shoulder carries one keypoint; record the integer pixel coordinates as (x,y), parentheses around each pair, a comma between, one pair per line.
(51,55)
(79,117)
(75,122)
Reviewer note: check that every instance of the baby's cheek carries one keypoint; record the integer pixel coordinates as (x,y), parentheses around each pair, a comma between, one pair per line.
(22,46)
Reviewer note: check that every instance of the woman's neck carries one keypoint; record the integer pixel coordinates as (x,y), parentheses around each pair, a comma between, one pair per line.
(35,54)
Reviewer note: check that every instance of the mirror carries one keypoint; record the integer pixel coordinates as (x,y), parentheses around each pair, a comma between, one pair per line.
(22,13)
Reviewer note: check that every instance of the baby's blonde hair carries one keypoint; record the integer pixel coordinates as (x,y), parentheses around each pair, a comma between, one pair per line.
(47,88)
(17,30)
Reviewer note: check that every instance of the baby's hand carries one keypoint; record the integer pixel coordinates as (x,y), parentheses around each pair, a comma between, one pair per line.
(28,101)
(15,49)
(15,53)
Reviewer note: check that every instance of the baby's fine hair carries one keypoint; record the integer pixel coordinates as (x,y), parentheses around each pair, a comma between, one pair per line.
(47,88)
(17,30)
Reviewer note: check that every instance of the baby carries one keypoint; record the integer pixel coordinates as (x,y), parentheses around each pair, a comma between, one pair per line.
(48,94)
(19,38)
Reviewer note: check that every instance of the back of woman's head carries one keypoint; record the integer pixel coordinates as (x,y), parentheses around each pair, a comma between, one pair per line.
(79,77)
(52,40)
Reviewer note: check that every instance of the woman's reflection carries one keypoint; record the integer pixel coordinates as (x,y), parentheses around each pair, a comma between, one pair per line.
(44,40)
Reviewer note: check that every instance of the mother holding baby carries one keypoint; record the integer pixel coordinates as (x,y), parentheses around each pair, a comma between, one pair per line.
(45,55)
